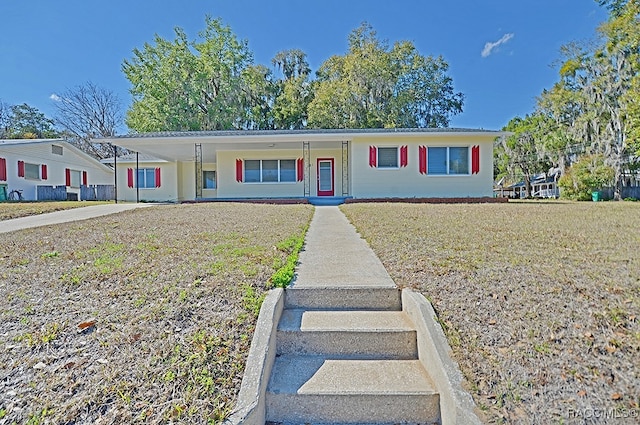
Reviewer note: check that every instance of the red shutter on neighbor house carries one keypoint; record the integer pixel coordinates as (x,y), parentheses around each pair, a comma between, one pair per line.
(422,159)
(373,156)
(67,177)
(43,172)
(129,177)
(475,159)
(84,178)
(20,168)
(157,177)
(3,169)
(404,156)
(300,169)
(238,170)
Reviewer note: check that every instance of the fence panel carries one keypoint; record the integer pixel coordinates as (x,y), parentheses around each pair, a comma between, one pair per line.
(627,192)
(51,193)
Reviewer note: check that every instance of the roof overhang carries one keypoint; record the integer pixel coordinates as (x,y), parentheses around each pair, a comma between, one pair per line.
(180,146)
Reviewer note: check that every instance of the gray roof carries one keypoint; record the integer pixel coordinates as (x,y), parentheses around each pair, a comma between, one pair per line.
(231,133)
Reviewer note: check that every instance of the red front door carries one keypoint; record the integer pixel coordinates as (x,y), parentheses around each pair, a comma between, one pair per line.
(325,177)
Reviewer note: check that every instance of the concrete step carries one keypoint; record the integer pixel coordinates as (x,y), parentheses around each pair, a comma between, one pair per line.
(316,390)
(343,298)
(353,334)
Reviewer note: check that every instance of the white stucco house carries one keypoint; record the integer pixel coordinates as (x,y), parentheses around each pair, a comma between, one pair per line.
(306,164)
(39,166)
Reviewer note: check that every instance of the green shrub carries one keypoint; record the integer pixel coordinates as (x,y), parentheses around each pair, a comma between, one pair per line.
(584,177)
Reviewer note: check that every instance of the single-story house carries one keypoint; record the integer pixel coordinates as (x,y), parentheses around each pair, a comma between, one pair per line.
(40,167)
(311,164)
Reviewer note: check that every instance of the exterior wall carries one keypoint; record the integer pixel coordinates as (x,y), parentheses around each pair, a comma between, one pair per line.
(228,187)
(209,193)
(316,154)
(186,181)
(40,153)
(408,182)
(167,192)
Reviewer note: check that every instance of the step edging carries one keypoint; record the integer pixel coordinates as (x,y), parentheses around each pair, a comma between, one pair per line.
(456,404)
(250,407)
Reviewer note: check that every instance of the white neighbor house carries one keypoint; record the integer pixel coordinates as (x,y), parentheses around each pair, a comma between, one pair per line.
(306,164)
(26,164)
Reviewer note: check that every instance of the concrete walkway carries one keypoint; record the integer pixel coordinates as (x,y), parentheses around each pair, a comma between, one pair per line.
(65,216)
(336,256)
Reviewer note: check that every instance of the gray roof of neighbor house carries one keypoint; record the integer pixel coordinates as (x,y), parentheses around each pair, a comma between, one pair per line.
(10,143)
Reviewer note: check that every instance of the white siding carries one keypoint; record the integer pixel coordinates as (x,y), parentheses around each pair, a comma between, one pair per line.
(407,182)
(40,153)
(167,192)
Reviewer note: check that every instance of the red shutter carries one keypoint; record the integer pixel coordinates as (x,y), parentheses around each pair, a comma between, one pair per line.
(43,172)
(84,178)
(3,169)
(20,168)
(129,177)
(300,164)
(238,170)
(157,177)
(67,177)
(475,159)
(373,156)
(404,156)
(422,159)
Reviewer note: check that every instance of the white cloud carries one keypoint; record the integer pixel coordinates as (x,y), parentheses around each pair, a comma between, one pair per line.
(55,97)
(489,47)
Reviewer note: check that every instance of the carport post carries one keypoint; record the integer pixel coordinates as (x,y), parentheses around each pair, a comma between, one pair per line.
(137,179)
(115,173)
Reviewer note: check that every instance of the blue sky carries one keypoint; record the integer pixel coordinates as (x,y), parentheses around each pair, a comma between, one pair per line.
(501,52)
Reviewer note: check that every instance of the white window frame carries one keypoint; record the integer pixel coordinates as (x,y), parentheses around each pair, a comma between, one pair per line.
(448,161)
(204,180)
(75,178)
(32,175)
(388,167)
(142,183)
(261,172)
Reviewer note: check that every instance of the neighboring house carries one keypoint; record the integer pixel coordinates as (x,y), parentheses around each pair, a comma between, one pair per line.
(542,186)
(311,164)
(42,167)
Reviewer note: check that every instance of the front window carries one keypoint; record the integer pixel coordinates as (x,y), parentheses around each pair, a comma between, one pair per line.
(448,160)
(75,178)
(269,170)
(32,171)
(459,160)
(146,178)
(388,157)
(209,179)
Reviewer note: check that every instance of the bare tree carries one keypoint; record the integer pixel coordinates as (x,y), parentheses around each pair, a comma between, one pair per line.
(87,112)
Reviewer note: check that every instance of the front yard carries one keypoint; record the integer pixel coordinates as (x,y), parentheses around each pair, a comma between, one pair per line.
(540,301)
(140,317)
(146,316)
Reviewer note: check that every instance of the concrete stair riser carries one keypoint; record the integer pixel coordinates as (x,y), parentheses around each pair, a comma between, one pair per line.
(354,409)
(354,334)
(399,345)
(353,298)
(313,389)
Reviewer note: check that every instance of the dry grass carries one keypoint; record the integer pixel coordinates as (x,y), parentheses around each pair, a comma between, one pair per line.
(9,209)
(540,301)
(140,317)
